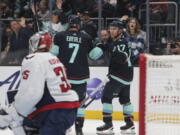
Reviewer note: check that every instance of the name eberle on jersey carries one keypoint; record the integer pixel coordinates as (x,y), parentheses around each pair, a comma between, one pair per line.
(73,39)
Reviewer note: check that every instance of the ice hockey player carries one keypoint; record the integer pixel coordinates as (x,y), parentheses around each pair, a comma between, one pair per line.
(120,76)
(73,48)
(44,94)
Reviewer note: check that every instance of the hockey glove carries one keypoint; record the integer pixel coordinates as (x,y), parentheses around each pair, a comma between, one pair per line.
(4,119)
(10,117)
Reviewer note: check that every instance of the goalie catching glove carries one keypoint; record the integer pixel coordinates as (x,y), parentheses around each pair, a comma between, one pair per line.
(10,118)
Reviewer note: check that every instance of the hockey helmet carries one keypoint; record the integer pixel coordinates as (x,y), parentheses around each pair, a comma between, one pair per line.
(40,40)
(117,23)
(74,20)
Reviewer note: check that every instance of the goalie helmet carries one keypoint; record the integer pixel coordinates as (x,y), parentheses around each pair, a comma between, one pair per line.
(40,40)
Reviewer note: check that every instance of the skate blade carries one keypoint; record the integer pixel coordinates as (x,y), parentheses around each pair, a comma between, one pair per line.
(105,133)
(128,132)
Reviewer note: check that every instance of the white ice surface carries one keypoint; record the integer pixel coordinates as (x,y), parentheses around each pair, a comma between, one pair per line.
(88,129)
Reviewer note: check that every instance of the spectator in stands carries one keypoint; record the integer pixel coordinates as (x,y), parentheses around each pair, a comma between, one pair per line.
(5,11)
(43,10)
(171,15)
(124,7)
(6,33)
(105,37)
(40,12)
(69,6)
(173,47)
(136,39)
(56,24)
(158,12)
(108,9)
(21,7)
(73,6)
(88,26)
(136,4)
(124,20)
(105,42)
(19,42)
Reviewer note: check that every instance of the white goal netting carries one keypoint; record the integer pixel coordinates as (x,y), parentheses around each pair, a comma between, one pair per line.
(160,95)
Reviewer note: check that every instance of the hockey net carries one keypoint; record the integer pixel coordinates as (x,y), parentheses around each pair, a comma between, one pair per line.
(159,105)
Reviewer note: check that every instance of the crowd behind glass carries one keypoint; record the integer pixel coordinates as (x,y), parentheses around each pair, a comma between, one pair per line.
(21,18)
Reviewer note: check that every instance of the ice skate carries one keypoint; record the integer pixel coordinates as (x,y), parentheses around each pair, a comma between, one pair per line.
(79,125)
(106,129)
(128,129)
(79,131)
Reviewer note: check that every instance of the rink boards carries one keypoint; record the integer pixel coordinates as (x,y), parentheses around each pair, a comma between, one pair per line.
(10,79)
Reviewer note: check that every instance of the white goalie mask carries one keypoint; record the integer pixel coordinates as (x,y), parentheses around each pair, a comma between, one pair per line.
(40,40)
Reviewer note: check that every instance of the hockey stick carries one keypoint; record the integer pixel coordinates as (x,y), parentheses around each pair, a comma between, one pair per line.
(88,100)
(35,14)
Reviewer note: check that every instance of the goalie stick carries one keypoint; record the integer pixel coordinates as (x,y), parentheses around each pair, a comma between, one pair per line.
(88,100)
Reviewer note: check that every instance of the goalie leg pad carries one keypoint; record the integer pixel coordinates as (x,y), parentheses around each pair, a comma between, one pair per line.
(5,121)
(17,119)
(10,118)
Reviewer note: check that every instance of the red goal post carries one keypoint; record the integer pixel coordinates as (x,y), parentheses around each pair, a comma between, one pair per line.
(159,95)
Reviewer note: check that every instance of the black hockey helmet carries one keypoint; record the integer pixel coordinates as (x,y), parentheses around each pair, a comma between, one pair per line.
(74,20)
(117,23)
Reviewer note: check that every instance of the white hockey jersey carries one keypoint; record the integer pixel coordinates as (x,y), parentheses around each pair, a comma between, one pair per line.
(43,86)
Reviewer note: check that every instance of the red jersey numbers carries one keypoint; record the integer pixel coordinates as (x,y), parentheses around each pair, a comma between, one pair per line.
(65,86)
(25,74)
